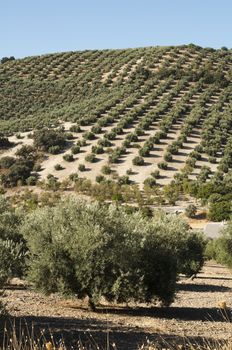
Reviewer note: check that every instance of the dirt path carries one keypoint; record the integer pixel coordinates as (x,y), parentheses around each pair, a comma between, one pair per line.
(194,314)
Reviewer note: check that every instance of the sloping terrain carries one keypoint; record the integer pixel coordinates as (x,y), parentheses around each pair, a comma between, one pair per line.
(169,105)
(196,314)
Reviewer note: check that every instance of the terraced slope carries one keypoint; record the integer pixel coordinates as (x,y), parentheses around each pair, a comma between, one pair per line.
(170,106)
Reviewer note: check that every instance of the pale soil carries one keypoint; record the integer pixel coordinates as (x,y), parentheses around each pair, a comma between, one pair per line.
(139,174)
(194,314)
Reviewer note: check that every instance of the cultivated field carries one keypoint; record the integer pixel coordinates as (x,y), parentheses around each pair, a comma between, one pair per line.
(170,106)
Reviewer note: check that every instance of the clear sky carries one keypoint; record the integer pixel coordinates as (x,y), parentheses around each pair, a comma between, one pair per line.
(31,27)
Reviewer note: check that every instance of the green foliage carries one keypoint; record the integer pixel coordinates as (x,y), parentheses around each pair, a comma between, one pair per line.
(106,170)
(12,245)
(58,167)
(138,161)
(220,207)
(90,158)
(190,211)
(68,157)
(75,149)
(19,171)
(75,128)
(26,152)
(45,139)
(94,250)
(150,182)
(155,174)
(89,135)
(81,167)
(100,178)
(220,248)
(6,162)
(163,165)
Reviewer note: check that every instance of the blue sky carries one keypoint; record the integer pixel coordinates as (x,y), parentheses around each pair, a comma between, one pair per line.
(31,27)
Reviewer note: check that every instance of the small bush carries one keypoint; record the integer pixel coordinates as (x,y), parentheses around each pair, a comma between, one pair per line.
(106,170)
(124,180)
(58,167)
(90,158)
(155,174)
(46,139)
(100,178)
(6,162)
(75,128)
(68,157)
(168,157)
(75,149)
(88,135)
(163,165)
(31,180)
(190,211)
(81,167)
(138,161)
(150,182)
(54,149)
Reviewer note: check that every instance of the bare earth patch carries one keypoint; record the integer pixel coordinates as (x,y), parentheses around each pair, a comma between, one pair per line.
(195,313)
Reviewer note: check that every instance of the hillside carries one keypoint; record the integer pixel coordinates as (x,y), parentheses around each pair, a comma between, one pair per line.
(169,106)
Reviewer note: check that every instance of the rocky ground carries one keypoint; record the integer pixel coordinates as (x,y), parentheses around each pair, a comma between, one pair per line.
(202,309)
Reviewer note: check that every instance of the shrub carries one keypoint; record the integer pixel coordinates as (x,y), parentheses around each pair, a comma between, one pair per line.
(220,207)
(100,178)
(31,180)
(68,136)
(26,151)
(96,129)
(213,160)
(150,182)
(81,167)
(144,256)
(190,211)
(129,171)
(75,128)
(220,248)
(54,149)
(104,142)
(111,135)
(68,157)
(138,161)
(168,157)
(89,135)
(6,162)
(37,167)
(144,151)
(19,171)
(155,174)
(75,149)
(97,149)
(45,139)
(163,165)
(58,167)
(81,143)
(106,170)
(124,180)
(90,158)
(12,245)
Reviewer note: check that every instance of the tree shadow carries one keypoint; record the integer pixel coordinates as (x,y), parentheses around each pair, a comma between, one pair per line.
(179,313)
(95,334)
(190,287)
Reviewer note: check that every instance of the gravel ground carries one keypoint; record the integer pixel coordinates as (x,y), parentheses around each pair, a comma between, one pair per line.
(196,313)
